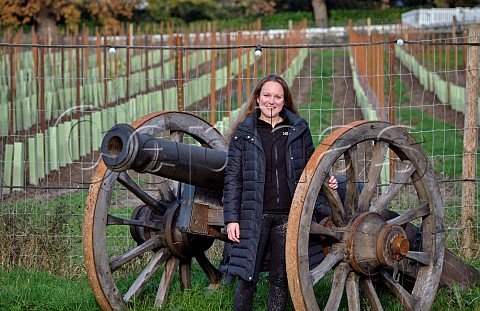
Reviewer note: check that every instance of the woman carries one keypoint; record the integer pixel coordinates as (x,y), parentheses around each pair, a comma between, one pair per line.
(269,148)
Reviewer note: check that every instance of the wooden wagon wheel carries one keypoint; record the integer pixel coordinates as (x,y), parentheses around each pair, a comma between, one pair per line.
(152,224)
(386,234)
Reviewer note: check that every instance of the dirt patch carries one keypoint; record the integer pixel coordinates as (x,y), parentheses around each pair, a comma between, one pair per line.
(341,88)
(344,94)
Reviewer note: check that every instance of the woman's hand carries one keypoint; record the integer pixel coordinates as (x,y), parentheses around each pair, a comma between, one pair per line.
(233,231)
(333,182)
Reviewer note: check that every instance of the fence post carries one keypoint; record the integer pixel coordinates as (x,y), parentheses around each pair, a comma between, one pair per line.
(391,97)
(229,73)
(179,71)
(213,70)
(128,55)
(240,69)
(12,126)
(470,142)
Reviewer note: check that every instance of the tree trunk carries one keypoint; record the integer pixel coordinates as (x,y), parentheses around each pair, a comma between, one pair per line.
(46,25)
(320,13)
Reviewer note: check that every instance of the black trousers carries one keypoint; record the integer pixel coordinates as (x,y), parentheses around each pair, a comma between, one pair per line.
(273,232)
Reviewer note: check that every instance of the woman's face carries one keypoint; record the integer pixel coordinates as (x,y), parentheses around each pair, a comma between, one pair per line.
(270,100)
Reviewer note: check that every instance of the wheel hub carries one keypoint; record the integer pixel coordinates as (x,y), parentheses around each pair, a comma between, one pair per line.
(373,244)
(180,244)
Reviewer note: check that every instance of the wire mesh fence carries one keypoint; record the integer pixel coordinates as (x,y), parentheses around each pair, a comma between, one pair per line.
(61,92)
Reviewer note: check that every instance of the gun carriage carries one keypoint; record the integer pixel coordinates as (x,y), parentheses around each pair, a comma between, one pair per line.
(386,235)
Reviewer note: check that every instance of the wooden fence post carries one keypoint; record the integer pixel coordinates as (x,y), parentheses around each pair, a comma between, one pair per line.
(229,73)
(447,67)
(179,72)
(129,56)
(105,73)
(186,43)
(162,63)
(148,42)
(248,78)
(213,75)
(470,142)
(391,98)
(240,70)
(12,125)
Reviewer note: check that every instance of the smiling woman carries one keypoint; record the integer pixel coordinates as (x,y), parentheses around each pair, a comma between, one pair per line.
(267,153)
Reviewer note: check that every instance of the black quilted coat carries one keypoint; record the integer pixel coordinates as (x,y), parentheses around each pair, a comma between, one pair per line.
(244,185)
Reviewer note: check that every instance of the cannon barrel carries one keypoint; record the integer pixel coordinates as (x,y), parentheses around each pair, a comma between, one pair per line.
(124,147)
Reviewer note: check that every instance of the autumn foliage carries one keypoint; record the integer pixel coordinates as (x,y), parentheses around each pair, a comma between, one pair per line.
(44,13)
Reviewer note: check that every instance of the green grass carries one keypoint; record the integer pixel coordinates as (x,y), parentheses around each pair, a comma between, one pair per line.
(359,17)
(337,17)
(39,290)
(442,142)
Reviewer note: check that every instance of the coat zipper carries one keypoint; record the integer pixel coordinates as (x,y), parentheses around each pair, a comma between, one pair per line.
(276,170)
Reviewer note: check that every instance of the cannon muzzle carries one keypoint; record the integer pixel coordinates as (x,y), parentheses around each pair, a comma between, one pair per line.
(124,148)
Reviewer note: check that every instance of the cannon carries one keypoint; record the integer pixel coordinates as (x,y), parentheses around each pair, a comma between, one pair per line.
(155,205)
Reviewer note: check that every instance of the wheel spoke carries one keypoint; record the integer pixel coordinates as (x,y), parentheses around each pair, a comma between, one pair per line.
(114,220)
(376,166)
(185,274)
(177,136)
(338,284)
(402,175)
(157,260)
(128,183)
(167,277)
(119,261)
(333,198)
(369,291)
(166,193)
(397,290)
(212,273)
(351,196)
(353,291)
(419,211)
(421,257)
(326,265)
(316,228)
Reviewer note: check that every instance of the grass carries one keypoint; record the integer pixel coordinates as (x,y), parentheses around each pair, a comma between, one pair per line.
(442,142)
(39,290)
(42,234)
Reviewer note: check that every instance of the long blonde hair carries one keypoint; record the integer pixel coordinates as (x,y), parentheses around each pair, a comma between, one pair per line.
(252,104)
